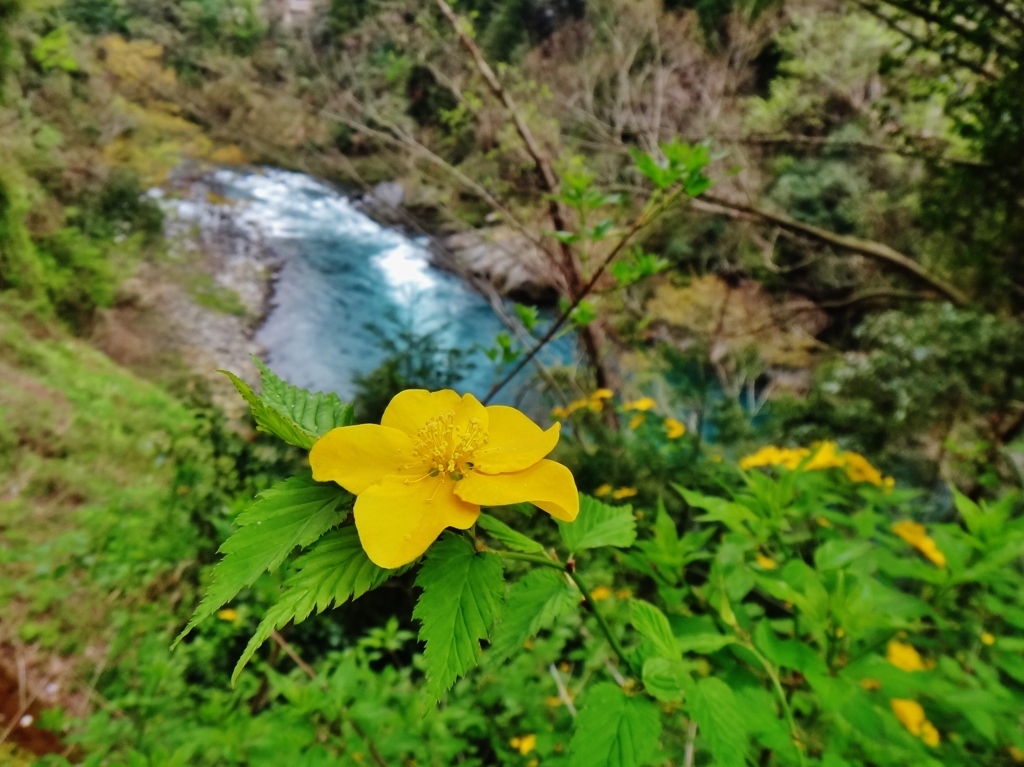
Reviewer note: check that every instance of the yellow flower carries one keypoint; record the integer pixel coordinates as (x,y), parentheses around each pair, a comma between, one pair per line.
(577,405)
(929,734)
(859,469)
(674,429)
(524,744)
(228,614)
(840,633)
(903,656)
(643,404)
(600,593)
(912,716)
(823,522)
(636,421)
(915,534)
(432,462)
(602,394)
(559,412)
(766,562)
(1016,754)
(603,490)
(624,492)
(825,456)
(988,639)
(553,700)
(870,684)
(623,594)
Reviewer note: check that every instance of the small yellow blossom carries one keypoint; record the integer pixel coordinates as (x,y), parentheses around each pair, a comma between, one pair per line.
(840,633)
(227,614)
(623,594)
(603,490)
(595,405)
(870,684)
(823,522)
(624,492)
(560,413)
(766,562)
(988,639)
(528,644)
(915,534)
(602,394)
(912,716)
(1016,754)
(578,404)
(357,757)
(433,461)
(553,700)
(601,593)
(643,404)
(636,421)
(674,429)
(903,656)
(524,744)
(824,455)
(532,763)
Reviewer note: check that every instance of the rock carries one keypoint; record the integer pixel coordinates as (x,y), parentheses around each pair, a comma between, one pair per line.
(507,259)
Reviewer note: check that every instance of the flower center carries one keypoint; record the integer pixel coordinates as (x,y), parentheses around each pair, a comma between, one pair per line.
(447,449)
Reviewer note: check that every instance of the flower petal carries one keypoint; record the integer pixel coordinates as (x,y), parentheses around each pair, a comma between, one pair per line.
(359,456)
(547,484)
(410,410)
(398,519)
(514,442)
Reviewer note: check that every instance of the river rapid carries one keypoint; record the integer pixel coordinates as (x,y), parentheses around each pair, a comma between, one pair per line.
(340,273)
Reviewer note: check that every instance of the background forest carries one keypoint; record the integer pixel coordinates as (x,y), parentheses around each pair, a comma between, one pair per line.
(787,235)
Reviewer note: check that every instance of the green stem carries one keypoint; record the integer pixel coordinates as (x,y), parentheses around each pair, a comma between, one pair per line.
(537,559)
(777,684)
(601,620)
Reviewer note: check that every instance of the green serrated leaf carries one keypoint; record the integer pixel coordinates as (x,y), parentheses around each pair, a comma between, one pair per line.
(462,593)
(502,532)
(315,413)
(615,730)
(652,624)
(665,679)
(599,525)
(293,513)
(334,571)
(270,420)
(721,721)
(534,603)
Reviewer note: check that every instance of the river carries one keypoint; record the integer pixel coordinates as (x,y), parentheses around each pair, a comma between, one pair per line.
(342,272)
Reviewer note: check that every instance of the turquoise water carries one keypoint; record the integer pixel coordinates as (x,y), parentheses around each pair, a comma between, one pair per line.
(341,271)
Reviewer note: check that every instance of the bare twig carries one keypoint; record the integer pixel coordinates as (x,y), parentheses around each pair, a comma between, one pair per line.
(869,248)
(323,685)
(563,692)
(691,740)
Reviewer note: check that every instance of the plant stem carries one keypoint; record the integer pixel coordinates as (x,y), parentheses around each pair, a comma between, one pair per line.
(777,684)
(600,620)
(536,559)
(557,565)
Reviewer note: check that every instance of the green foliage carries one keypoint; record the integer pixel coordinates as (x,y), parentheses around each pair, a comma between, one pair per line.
(294,513)
(9,9)
(533,604)
(54,51)
(615,730)
(98,16)
(334,571)
(599,525)
(462,596)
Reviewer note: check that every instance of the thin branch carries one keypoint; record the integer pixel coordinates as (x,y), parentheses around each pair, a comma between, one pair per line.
(557,325)
(323,686)
(563,692)
(691,740)
(869,248)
